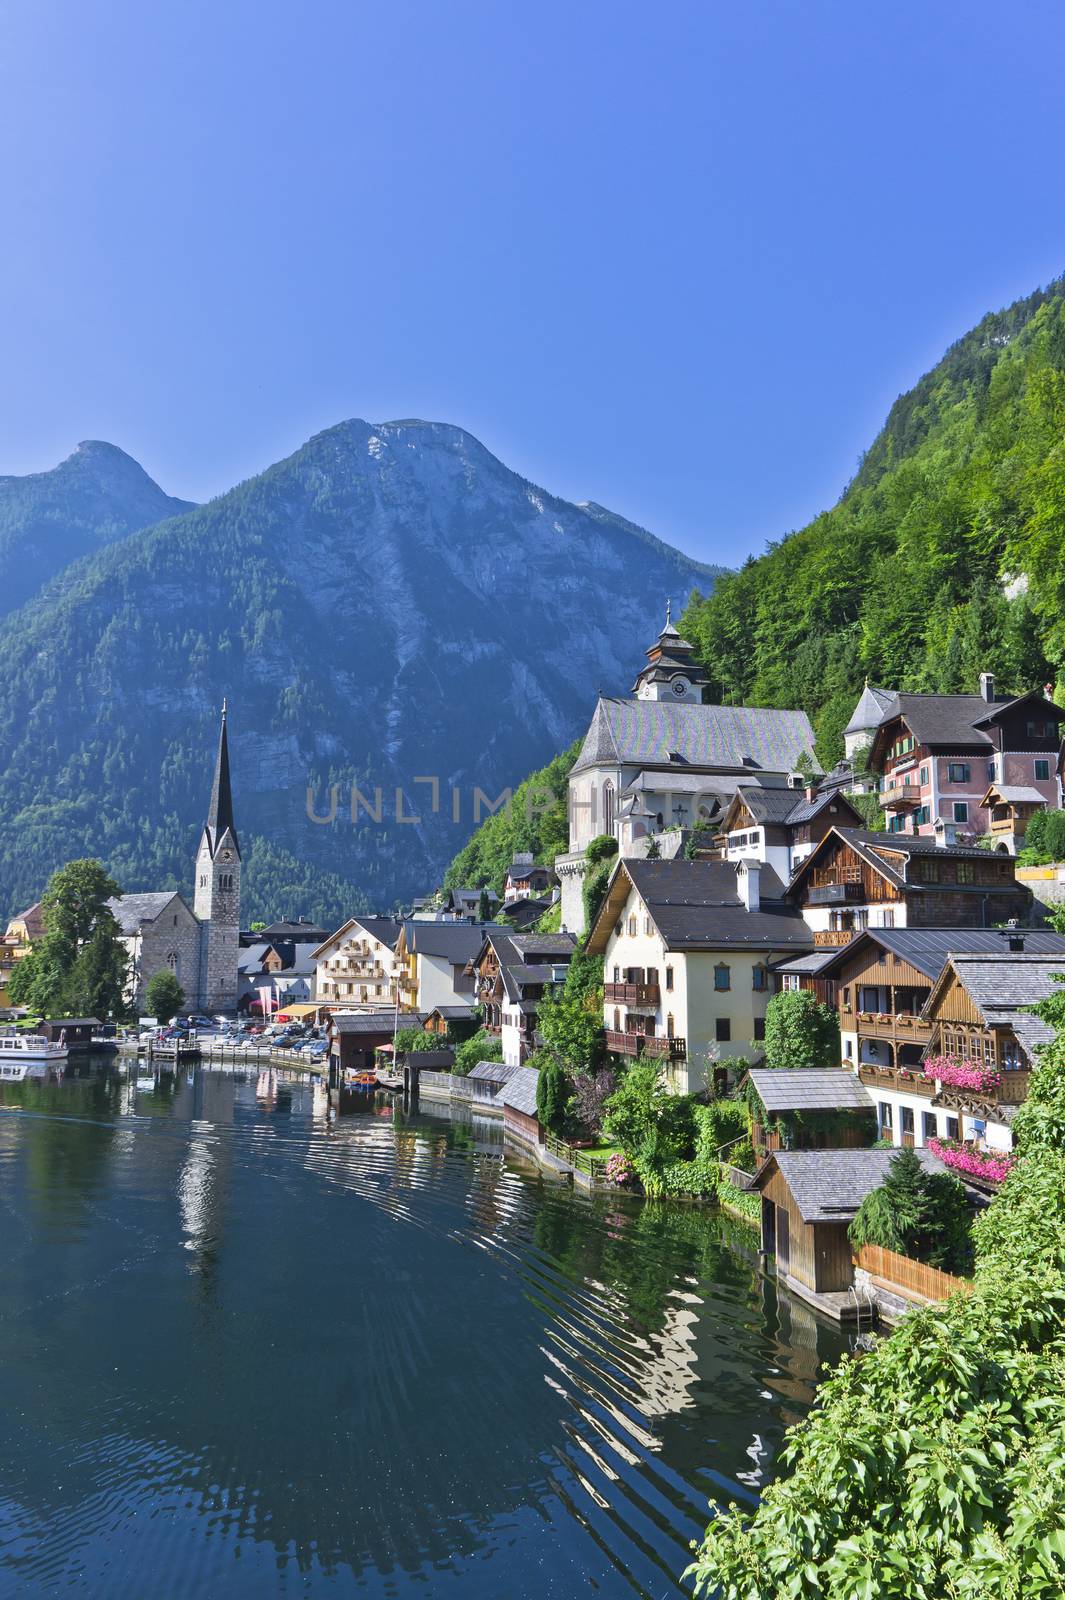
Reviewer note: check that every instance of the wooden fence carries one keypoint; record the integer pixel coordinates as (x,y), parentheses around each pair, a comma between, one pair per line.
(913,1277)
(437,1085)
(585,1161)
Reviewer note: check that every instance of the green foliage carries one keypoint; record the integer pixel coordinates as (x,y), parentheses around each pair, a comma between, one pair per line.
(916,1213)
(654,852)
(800,1031)
(536,820)
(79,968)
(604,847)
(417,1041)
(655,1129)
(948,1431)
(571,1023)
(484,906)
(481,1047)
(593,891)
(164,996)
(901,581)
(552,1091)
(1044,840)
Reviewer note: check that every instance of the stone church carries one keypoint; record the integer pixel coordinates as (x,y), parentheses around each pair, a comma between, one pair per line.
(199,945)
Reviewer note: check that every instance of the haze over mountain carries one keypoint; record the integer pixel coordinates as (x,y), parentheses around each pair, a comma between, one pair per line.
(389,603)
(49,519)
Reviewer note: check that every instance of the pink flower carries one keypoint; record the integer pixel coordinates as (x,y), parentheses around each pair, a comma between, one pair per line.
(618,1169)
(977,1163)
(961,1074)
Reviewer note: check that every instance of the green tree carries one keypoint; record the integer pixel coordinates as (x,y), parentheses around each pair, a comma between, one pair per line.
(483,1046)
(164,996)
(484,905)
(552,1090)
(79,967)
(800,1031)
(604,847)
(654,851)
(571,1023)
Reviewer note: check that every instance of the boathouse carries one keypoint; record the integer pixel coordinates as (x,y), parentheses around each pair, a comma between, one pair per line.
(75,1032)
(518,1099)
(808,1108)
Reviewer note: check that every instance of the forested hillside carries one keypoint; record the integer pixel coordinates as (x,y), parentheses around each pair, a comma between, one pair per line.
(944,557)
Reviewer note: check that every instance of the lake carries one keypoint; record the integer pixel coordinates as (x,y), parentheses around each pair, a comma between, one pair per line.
(248,1352)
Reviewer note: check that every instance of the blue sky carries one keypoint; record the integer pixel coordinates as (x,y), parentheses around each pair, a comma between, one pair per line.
(678,259)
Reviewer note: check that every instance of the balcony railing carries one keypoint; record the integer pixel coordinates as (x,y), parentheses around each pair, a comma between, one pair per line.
(902,1080)
(669,1049)
(902,1026)
(632,994)
(834,938)
(1010,1090)
(900,794)
(625,1044)
(834,894)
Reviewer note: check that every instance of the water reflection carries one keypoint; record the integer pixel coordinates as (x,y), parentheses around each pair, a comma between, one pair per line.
(261,1352)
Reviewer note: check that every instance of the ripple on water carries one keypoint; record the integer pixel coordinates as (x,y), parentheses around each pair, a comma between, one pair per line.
(262,1354)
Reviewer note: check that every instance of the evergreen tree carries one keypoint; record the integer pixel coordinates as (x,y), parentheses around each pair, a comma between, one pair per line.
(552,1090)
(484,906)
(800,1031)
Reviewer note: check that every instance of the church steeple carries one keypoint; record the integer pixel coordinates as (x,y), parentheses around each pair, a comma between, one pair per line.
(220,810)
(672,672)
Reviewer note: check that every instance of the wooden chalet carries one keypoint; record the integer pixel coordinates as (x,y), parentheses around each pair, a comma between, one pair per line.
(855,879)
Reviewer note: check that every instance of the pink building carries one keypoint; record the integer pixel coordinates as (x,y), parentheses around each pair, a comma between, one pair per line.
(939,756)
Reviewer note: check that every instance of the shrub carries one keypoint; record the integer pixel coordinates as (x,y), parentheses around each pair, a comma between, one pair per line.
(482,1047)
(602,848)
(916,1213)
(800,1031)
(552,1091)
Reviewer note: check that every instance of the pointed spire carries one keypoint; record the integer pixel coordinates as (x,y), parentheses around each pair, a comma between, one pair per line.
(669,604)
(220,811)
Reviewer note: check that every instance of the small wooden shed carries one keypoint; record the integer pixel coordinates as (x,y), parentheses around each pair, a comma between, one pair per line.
(518,1099)
(809,1198)
(806,1108)
(75,1032)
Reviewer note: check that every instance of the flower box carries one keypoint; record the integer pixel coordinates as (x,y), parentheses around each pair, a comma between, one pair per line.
(962,1074)
(991,1168)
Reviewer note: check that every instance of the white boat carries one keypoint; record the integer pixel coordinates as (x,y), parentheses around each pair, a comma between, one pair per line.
(28,1055)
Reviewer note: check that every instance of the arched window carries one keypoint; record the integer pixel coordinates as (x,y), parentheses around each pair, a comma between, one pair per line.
(608,807)
(172,960)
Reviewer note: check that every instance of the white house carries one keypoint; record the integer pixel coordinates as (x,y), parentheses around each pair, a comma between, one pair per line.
(434,963)
(356,964)
(687,948)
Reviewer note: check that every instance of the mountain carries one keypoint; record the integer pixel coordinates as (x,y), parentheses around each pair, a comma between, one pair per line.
(944,557)
(49,519)
(388,606)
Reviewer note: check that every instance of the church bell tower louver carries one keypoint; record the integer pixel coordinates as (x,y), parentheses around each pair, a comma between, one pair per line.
(216,901)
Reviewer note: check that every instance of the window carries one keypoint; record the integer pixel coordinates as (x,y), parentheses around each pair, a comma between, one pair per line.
(884,1116)
(924,777)
(758,979)
(1042,771)
(647,926)
(669,1026)
(961,811)
(928,1125)
(896,824)
(608,807)
(632,926)
(669,977)
(790,980)
(722,1030)
(990,772)
(906,1119)
(958,772)
(722,978)
(848,1047)
(920,817)
(759,1030)
(952,1127)
(966,872)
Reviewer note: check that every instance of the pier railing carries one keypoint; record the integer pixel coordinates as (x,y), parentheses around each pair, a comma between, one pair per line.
(585,1161)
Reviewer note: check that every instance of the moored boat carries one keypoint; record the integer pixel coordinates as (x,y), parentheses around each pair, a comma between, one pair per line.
(28,1055)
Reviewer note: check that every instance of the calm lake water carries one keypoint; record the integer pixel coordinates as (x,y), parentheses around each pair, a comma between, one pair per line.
(247,1353)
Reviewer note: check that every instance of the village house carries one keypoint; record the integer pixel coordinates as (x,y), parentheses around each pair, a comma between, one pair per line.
(273,973)
(780,827)
(355,1036)
(466,902)
(808,1108)
(662,762)
(688,948)
(433,963)
(20,935)
(455,1022)
(513,972)
(854,879)
(355,966)
(866,718)
(524,878)
(939,755)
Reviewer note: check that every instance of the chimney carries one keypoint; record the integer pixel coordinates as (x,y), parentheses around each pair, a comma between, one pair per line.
(748,878)
(811,791)
(987,686)
(1014,935)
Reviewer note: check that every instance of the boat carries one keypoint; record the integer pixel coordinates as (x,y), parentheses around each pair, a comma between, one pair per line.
(28,1055)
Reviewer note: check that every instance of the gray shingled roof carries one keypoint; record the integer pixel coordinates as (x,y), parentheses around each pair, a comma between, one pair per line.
(927,949)
(696,906)
(808,965)
(454,1013)
(1017,794)
(939,720)
(809,1089)
(830,1185)
(869,712)
(371,1021)
(130,910)
(1010,980)
(493,1071)
(644,732)
(457,942)
(519,1092)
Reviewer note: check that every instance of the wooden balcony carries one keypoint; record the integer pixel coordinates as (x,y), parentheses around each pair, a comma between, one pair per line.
(625,1044)
(834,938)
(666,1049)
(834,894)
(902,1081)
(902,1028)
(902,793)
(643,995)
(1010,1090)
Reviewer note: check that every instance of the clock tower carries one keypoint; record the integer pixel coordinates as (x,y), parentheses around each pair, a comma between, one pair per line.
(216,902)
(672,672)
